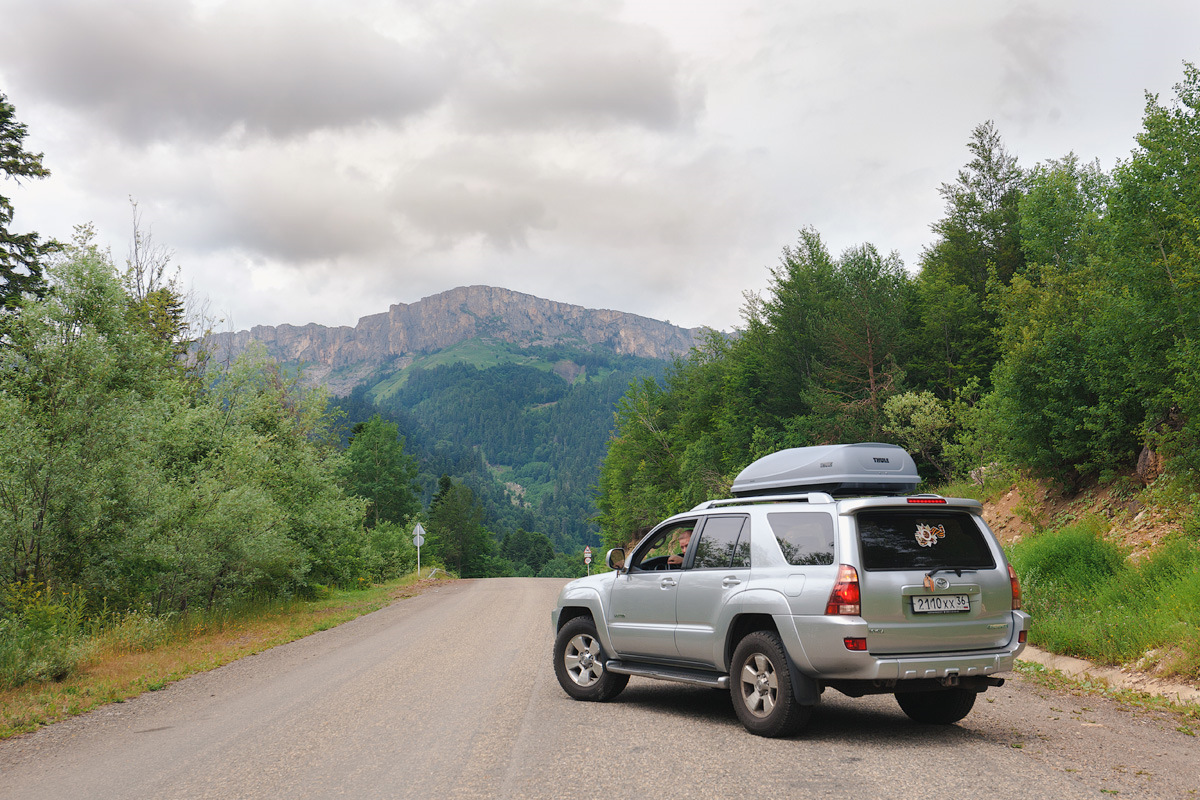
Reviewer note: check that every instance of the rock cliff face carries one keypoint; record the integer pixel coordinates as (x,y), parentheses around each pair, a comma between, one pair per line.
(341,357)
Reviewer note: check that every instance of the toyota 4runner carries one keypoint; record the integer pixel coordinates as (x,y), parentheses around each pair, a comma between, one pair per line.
(825,570)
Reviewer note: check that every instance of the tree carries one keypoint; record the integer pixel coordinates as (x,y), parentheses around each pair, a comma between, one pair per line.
(978,239)
(456,530)
(75,377)
(20,253)
(156,303)
(1062,212)
(980,232)
(865,336)
(922,425)
(378,470)
(1156,242)
(530,549)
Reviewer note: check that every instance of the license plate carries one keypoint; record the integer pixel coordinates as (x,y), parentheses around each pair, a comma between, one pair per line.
(940,603)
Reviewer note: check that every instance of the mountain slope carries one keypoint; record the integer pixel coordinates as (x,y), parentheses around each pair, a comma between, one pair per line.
(342,357)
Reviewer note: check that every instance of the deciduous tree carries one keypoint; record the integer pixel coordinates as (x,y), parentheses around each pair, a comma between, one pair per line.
(377,468)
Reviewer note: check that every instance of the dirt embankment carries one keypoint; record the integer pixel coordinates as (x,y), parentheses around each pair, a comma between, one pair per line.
(1138,528)
(1027,508)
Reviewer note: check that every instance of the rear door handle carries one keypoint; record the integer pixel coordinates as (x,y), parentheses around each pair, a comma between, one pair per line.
(730,581)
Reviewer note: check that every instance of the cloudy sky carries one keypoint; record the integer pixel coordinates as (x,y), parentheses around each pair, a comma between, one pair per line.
(312,161)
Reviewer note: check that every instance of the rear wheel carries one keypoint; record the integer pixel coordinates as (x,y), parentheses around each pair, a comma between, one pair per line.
(579,663)
(761,685)
(937,708)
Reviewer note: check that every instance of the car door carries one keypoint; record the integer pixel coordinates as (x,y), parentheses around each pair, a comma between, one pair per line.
(642,601)
(715,573)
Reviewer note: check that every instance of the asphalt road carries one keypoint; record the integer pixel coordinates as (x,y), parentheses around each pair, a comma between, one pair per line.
(451,694)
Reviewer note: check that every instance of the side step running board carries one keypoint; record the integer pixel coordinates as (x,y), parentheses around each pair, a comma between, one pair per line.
(694,677)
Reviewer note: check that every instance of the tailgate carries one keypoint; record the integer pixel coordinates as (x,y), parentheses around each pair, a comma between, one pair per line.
(932,581)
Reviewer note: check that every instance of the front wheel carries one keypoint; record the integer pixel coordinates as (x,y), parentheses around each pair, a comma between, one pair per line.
(761,685)
(937,708)
(579,663)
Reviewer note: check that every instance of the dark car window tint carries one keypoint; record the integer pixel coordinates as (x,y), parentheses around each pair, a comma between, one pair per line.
(805,537)
(922,540)
(724,543)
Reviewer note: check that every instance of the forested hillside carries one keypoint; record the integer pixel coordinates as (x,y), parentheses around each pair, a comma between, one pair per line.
(1051,326)
(524,427)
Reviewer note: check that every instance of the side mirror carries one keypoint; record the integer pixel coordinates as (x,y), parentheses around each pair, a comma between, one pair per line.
(616,558)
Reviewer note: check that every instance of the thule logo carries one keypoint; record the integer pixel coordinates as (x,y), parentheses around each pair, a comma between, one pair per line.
(882,461)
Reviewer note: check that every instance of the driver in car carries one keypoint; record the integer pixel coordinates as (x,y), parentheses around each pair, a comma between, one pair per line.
(676,559)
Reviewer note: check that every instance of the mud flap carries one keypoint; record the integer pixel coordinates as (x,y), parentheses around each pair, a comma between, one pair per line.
(806,690)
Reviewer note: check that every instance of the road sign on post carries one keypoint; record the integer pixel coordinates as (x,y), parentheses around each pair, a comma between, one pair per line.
(587,558)
(418,540)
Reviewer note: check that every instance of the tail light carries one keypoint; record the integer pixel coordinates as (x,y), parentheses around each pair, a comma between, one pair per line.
(845,597)
(1016,588)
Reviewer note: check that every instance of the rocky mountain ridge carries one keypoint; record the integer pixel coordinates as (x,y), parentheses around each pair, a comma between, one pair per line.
(341,357)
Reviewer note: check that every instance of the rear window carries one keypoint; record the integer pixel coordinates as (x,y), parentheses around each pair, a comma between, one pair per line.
(724,544)
(805,537)
(901,539)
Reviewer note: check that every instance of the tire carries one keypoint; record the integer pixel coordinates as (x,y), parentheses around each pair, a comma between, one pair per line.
(760,684)
(579,662)
(937,708)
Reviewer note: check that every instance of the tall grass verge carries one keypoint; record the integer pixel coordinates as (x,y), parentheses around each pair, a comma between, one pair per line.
(139,652)
(42,634)
(1087,600)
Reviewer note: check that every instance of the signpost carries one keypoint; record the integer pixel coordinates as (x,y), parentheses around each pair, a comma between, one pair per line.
(418,540)
(587,558)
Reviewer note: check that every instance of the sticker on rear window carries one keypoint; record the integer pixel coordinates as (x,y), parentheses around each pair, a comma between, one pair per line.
(928,535)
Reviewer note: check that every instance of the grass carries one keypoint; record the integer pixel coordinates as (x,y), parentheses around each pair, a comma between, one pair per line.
(124,662)
(480,353)
(1089,601)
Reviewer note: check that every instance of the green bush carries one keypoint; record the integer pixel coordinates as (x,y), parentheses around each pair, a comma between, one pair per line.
(1073,561)
(41,633)
(1088,601)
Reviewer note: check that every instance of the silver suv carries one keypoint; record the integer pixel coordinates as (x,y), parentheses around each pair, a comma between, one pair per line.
(824,571)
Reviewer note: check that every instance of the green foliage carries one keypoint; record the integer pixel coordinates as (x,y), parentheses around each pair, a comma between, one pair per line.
(120,475)
(1089,601)
(390,552)
(456,534)
(1069,563)
(921,424)
(1063,385)
(818,360)
(564,566)
(1155,231)
(1051,331)
(377,469)
(530,550)
(1062,212)
(39,633)
(525,428)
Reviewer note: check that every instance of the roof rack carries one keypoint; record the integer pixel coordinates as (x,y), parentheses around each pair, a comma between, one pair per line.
(807,497)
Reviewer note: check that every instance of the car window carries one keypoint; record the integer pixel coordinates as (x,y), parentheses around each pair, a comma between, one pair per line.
(901,539)
(805,537)
(724,543)
(664,548)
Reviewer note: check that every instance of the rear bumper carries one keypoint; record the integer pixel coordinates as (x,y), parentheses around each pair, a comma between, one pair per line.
(822,654)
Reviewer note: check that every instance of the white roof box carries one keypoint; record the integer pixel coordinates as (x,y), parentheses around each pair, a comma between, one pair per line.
(841,469)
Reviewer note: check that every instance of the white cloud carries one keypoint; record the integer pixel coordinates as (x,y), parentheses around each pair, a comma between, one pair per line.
(316,161)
